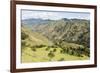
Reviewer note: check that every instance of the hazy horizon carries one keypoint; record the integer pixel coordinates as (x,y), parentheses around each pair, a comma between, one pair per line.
(53,15)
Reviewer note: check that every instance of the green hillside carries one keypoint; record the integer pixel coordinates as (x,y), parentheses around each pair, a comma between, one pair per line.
(57,40)
(33,38)
(70,30)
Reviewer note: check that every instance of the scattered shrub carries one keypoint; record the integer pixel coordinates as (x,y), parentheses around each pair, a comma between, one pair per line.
(47,48)
(23,44)
(40,46)
(62,59)
(54,50)
(61,51)
(51,54)
(24,36)
(33,49)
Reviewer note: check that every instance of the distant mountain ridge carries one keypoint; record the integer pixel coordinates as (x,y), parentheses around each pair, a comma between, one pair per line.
(33,21)
(67,30)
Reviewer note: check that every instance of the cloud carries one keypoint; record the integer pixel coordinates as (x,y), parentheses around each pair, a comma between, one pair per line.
(39,14)
(26,14)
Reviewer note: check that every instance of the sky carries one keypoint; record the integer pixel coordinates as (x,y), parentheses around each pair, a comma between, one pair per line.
(53,15)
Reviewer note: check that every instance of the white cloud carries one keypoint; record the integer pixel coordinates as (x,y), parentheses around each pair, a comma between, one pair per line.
(53,15)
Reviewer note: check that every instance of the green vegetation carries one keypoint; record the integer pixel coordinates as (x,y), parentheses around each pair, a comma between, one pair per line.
(41,55)
(62,59)
(57,40)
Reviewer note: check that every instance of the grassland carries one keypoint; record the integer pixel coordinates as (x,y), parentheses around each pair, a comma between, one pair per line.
(41,55)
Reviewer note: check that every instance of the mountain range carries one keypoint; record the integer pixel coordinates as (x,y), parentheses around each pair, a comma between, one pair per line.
(67,30)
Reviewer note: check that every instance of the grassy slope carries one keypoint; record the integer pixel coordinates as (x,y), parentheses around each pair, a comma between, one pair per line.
(35,38)
(41,55)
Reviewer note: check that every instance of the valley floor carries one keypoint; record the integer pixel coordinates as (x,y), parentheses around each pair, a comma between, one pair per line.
(41,55)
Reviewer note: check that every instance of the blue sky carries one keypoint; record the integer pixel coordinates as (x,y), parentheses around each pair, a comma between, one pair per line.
(54,15)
